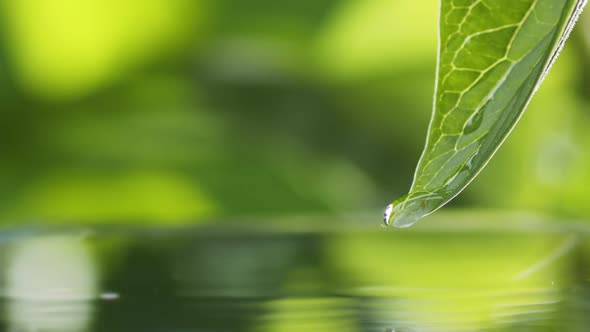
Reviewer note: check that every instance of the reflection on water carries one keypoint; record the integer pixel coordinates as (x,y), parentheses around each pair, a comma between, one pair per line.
(50,283)
(276,280)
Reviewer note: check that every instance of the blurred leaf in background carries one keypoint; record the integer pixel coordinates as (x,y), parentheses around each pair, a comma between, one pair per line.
(65,49)
(185,111)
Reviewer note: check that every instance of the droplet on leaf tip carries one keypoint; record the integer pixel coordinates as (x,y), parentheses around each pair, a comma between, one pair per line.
(387,214)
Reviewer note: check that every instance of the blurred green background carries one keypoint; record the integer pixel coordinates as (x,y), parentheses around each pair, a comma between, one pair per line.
(185,111)
(180,111)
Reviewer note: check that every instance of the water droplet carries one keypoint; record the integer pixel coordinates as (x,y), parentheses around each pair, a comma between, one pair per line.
(405,211)
(387,214)
(469,163)
(473,123)
(458,178)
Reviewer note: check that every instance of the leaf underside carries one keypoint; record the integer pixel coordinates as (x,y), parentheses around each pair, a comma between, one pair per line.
(492,56)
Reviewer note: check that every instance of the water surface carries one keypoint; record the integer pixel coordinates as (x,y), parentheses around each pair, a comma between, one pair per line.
(453,273)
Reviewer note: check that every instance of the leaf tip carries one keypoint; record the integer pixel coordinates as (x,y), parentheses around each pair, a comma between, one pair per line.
(407,210)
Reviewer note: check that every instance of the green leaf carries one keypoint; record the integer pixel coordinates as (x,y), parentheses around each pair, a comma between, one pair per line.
(492,57)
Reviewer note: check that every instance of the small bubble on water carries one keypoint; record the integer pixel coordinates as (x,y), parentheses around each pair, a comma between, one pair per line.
(387,214)
(109,296)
